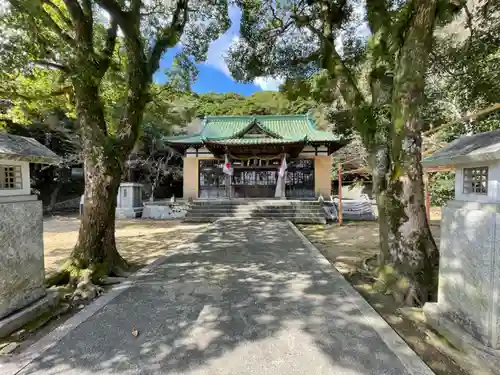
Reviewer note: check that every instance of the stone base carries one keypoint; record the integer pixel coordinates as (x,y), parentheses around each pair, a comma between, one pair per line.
(477,354)
(15,321)
(129,213)
(164,211)
(22,274)
(469,269)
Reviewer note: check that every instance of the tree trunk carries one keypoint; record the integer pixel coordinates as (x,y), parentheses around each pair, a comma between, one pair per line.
(414,253)
(380,170)
(413,250)
(103,164)
(96,246)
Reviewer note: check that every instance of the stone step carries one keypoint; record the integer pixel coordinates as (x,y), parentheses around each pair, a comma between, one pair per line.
(248,207)
(270,211)
(250,203)
(301,220)
(252,206)
(212,216)
(295,211)
(254,213)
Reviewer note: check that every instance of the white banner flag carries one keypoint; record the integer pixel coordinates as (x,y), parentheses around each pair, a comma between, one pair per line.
(283,167)
(280,184)
(227,168)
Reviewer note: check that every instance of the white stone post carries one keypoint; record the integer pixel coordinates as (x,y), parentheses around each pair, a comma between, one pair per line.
(129,203)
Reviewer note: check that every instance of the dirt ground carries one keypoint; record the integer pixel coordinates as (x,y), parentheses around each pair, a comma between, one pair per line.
(346,247)
(139,241)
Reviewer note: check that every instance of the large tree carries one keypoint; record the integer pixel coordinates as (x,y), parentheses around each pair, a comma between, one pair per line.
(317,47)
(93,44)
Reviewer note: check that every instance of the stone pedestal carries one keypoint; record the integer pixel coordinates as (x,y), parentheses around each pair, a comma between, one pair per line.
(22,273)
(469,271)
(164,210)
(129,202)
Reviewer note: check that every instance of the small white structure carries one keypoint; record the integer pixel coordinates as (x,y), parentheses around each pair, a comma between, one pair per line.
(164,210)
(22,274)
(469,267)
(129,202)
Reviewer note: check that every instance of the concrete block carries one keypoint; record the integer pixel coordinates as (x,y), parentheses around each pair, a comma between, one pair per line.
(468,293)
(22,273)
(27,314)
(164,211)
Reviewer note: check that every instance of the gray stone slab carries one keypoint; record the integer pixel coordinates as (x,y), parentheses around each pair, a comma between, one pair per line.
(163,211)
(129,212)
(468,269)
(246,297)
(22,273)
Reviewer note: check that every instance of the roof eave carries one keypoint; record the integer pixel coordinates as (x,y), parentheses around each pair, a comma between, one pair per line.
(37,159)
(461,159)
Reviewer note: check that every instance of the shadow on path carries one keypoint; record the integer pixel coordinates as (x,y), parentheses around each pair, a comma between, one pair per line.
(244,298)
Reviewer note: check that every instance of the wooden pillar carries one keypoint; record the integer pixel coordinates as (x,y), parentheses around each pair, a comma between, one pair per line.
(339,208)
(427,196)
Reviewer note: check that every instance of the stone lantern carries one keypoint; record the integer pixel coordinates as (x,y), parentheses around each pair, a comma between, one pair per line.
(469,266)
(22,274)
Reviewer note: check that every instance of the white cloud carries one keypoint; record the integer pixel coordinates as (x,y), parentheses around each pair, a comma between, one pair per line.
(269,83)
(219,48)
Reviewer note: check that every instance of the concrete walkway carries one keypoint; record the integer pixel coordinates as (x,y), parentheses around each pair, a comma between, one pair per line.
(245,298)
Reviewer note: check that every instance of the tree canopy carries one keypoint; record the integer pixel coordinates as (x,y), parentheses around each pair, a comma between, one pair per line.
(99,57)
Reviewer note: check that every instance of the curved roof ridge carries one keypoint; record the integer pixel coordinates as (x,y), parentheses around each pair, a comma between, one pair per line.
(304,115)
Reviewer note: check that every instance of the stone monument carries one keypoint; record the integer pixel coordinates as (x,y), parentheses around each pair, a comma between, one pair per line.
(129,203)
(22,275)
(469,267)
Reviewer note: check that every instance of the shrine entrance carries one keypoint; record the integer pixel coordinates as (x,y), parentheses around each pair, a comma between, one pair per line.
(255,178)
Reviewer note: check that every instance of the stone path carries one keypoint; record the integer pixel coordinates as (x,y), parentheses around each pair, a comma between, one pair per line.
(244,298)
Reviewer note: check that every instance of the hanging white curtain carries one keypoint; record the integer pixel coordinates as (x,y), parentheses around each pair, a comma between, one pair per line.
(280,184)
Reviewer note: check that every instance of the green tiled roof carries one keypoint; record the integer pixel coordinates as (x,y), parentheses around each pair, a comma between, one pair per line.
(254,141)
(273,130)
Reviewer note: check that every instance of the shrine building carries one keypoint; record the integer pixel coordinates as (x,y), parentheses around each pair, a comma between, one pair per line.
(255,147)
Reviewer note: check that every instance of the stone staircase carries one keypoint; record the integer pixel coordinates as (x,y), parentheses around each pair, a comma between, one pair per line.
(300,212)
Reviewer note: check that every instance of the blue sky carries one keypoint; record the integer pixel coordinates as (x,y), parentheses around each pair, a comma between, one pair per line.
(211,78)
(213,73)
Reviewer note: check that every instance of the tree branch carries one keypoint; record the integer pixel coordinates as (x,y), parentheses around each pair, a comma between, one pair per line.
(349,89)
(377,14)
(110,46)
(49,21)
(52,64)
(121,17)
(39,12)
(83,22)
(87,7)
(468,21)
(470,117)
(59,12)
(74,10)
(14,94)
(169,36)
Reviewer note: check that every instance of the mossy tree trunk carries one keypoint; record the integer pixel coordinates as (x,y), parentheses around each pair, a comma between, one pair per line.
(104,157)
(104,150)
(413,250)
